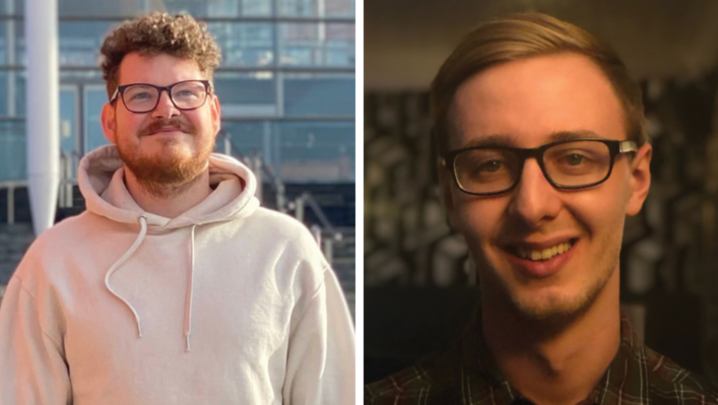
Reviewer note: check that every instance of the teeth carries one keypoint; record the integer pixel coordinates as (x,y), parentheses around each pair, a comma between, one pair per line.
(546,253)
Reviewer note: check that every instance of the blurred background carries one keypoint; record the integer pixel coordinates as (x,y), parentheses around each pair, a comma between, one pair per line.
(420,286)
(286,84)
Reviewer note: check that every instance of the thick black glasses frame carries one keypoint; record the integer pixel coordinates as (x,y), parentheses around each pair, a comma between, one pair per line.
(614,147)
(121,91)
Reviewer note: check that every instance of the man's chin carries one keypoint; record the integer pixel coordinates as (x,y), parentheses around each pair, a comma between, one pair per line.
(168,168)
(551,314)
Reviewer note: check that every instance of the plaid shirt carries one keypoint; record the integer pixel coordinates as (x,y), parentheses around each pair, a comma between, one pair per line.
(466,374)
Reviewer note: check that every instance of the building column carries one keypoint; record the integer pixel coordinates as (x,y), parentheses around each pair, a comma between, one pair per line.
(42,112)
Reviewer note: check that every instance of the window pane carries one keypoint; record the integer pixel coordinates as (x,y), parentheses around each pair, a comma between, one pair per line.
(80,42)
(12,93)
(3,43)
(244,44)
(298,151)
(12,7)
(104,8)
(193,7)
(249,138)
(246,94)
(235,8)
(4,96)
(95,98)
(317,44)
(19,56)
(315,151)
(316,8)
(20,103)
(314,95)
(12,150)
(219,8)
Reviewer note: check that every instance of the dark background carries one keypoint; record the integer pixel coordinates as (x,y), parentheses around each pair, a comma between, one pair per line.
(420,285)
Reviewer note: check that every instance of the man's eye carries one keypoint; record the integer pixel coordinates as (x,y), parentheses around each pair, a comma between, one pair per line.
(140,96)
(491,166)
(574,159)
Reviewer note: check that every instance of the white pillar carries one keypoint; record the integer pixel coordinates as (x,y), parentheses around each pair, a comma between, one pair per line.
(42,117)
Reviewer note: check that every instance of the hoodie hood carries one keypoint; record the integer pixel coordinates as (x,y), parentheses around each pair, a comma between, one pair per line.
(101,181)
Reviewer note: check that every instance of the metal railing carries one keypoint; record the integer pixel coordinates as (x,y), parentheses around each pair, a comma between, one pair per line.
(10,186)
(68,161)
(325,234)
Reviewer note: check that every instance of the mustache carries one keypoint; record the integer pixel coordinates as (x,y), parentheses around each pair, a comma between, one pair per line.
(168,123)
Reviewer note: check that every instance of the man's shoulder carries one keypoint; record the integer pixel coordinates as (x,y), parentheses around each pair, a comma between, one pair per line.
(671,382)
(274,224)
(277,221)
(69,233)
(278,227)
(433,380)
(70,238)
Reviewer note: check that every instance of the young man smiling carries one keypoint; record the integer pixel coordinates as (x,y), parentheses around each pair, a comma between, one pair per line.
(174,286)
(543,155)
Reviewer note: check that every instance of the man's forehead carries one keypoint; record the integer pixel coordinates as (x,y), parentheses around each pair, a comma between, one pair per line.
(159,69)
(534,101)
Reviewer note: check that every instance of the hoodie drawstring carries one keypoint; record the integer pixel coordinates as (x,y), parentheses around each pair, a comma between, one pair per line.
(118,263)
(190,282)
(190,289)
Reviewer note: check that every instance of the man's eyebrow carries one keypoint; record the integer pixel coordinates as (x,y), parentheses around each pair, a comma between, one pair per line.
(506,140)
(499,140)
(572,135)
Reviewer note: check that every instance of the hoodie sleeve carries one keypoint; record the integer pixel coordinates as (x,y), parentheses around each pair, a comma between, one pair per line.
(32,362)
(320,364)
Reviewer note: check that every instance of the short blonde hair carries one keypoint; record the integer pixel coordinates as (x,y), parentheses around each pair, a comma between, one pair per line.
(522,36)
(180,36)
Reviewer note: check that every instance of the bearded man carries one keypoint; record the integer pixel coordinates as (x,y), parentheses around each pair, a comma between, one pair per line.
(174,286)
(543,154)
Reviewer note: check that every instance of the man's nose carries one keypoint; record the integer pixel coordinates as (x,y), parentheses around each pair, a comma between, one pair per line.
(165,108)
(534,199)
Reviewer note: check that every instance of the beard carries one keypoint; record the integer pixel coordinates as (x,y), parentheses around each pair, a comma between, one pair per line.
(170,172)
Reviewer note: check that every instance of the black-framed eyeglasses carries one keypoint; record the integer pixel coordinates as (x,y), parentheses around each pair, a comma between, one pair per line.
(571,164)
(144,97)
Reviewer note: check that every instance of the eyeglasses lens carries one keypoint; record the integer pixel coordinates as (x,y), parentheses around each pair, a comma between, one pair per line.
(570,164)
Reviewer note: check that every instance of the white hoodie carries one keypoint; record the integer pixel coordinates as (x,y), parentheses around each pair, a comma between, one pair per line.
(229,303)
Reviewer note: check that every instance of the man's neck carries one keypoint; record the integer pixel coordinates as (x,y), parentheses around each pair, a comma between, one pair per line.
(170,200)
(561,368)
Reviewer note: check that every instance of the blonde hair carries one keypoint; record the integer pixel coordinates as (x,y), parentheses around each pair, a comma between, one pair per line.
(159,33)
(522,36)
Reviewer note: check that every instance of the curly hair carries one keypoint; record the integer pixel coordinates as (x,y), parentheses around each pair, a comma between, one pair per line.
(180,36)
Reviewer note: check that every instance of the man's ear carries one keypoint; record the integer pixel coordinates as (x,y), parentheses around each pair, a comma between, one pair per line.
(640,179)
(215,111)
(446,182)
(109,123)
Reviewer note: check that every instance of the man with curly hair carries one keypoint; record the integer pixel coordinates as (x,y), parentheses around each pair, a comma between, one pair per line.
(174,286)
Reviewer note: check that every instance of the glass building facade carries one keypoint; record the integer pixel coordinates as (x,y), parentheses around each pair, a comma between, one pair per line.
(286,82)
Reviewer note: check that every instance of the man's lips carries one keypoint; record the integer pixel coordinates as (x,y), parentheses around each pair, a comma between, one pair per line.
(541,259)
(165,130)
